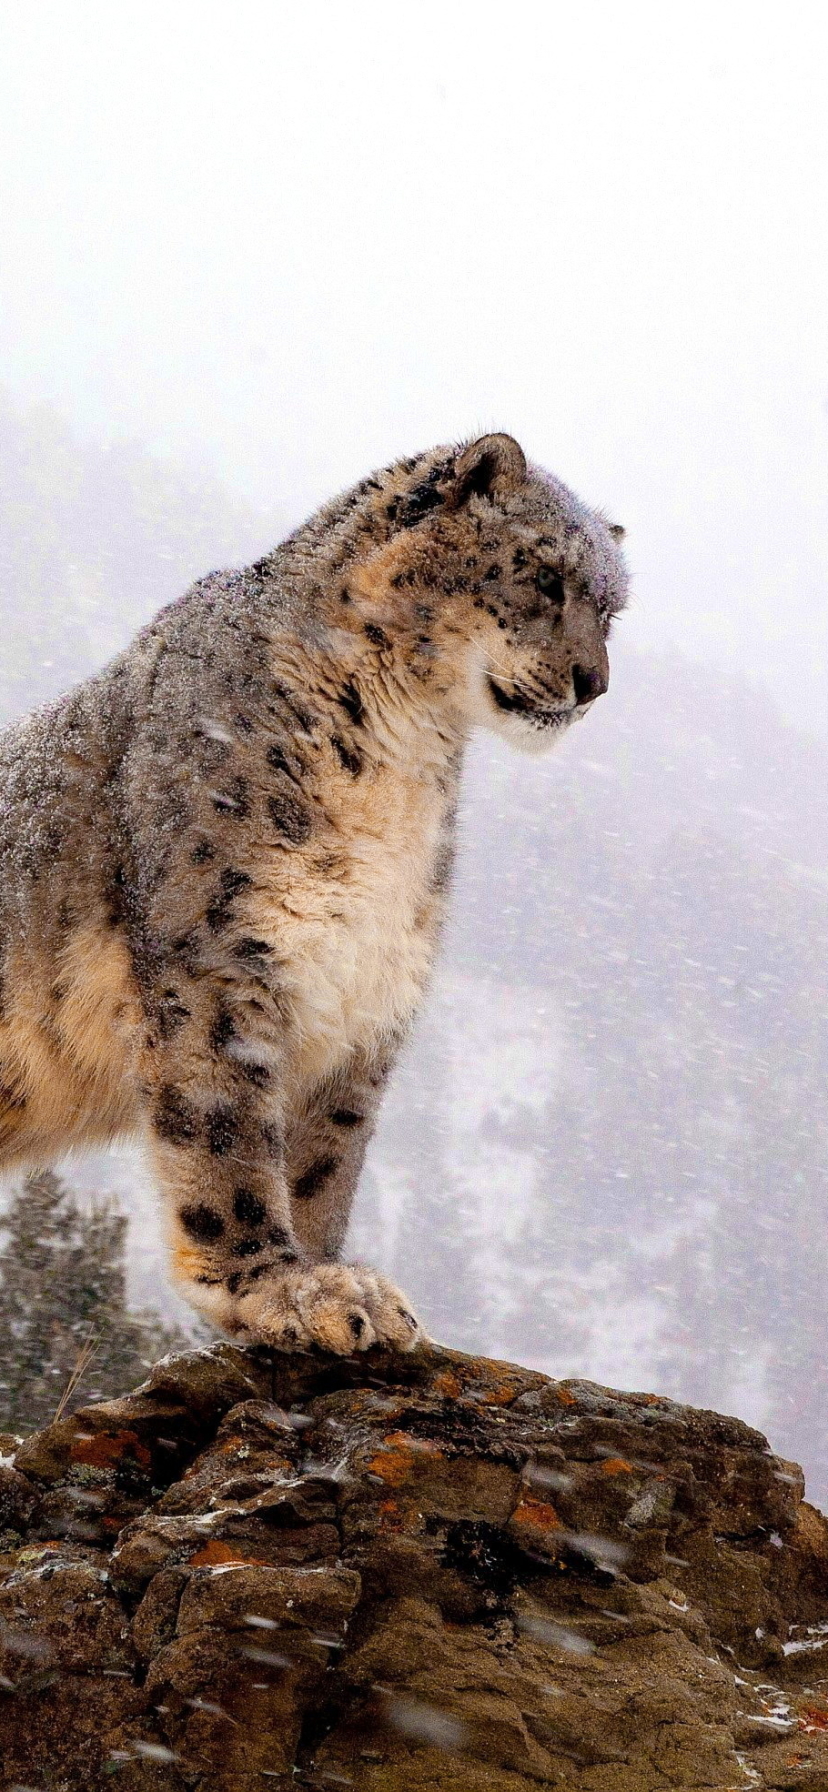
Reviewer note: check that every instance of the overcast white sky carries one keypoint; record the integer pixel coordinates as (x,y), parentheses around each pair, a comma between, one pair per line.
(295,240)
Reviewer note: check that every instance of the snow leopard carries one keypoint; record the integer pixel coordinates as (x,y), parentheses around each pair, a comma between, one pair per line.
(225,860)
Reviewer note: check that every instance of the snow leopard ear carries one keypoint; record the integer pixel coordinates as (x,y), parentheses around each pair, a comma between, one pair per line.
(489,467)
(617,531)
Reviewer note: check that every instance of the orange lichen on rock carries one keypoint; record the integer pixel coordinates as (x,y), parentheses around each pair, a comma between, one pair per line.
(616,1465)
(448,1385)
(538,1513)
(500,1393)
(397,1516)
(216,1555)
(397,1458)
(105,1448)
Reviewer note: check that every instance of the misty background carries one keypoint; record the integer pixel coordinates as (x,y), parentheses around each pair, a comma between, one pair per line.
(251,252)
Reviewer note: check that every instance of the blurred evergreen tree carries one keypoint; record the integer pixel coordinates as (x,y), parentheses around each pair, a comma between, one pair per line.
(63,1306)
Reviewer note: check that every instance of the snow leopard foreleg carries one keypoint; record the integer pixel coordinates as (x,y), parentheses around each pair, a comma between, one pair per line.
(326,1141)
(216,1113)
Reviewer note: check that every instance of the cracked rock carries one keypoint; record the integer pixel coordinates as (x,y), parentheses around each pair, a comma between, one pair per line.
(436,1572)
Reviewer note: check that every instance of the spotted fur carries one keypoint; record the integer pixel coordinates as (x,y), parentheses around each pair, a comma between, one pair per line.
(224,861)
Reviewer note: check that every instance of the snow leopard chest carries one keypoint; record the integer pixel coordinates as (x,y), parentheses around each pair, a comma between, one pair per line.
(356,930)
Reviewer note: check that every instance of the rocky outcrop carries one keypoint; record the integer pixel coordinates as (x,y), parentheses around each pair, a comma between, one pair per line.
(400,1574)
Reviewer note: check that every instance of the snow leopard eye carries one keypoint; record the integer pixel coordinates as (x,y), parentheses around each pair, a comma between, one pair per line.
(550,583)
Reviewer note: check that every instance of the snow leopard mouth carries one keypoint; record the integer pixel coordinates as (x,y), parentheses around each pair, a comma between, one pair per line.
(518,702)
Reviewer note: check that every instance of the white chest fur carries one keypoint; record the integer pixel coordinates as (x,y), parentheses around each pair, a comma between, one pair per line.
(355,929)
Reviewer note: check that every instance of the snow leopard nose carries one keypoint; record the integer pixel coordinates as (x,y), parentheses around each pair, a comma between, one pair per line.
(589,682)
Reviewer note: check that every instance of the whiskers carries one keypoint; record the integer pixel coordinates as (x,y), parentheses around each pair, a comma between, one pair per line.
(541,705)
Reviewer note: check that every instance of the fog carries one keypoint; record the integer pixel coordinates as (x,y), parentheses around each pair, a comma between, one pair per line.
(251,252)
(293,242)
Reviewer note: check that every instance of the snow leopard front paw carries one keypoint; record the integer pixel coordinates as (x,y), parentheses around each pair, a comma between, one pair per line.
(390,1312)
(330,1305)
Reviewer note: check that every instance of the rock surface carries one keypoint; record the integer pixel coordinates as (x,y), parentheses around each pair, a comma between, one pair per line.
(392,1575)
